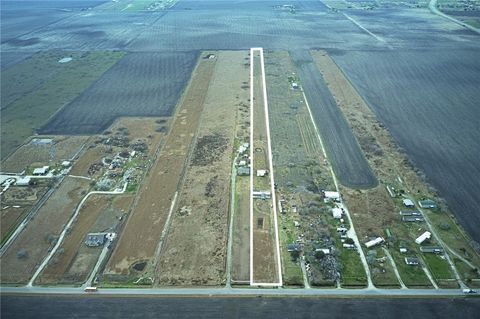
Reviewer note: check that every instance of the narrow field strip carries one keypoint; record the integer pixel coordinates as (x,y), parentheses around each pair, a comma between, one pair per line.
(273,205)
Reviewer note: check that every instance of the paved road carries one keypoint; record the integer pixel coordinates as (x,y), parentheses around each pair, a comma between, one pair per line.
(235,291)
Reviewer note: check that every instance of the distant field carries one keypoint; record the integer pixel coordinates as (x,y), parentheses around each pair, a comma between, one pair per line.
(429,102)
(140,84)
(37,87)
(349,163)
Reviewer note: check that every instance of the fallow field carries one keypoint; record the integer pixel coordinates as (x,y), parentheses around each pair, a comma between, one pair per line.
(140,84)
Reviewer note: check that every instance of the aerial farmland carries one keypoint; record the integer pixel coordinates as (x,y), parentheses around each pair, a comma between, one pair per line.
(255,144)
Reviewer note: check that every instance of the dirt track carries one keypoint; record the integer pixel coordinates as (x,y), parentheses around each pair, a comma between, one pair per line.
(141,235)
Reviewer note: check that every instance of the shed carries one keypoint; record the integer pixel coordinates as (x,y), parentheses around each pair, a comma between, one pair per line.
(403,250)
(413,261)
(407,202)
(41,170)
(66,163)
(337,213)
(243,171)
(326,251)
(427,203)
(95,239)
(348,246)
(262,172)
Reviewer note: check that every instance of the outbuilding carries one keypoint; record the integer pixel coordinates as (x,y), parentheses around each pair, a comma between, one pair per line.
(262,172)
(407,202)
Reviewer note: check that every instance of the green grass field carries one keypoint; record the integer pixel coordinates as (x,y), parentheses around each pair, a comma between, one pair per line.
(40,86)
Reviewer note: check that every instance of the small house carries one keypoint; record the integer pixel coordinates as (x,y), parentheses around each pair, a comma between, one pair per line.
(243,171)
(410,213)
(262,194)
(374,242)
(412,261)
(337,213)
(95,239)
(431,249)
(331,196)
(23,181)
(426,235)
(39,171)
(293,247)
(427,203)
(412,218)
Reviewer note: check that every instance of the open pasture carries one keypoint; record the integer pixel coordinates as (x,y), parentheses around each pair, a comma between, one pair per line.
(38,87)
(140,84)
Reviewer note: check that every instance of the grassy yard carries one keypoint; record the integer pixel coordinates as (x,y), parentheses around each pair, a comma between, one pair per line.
(438,266)
(40,86)
(412,276)
(292,273)
(353,274)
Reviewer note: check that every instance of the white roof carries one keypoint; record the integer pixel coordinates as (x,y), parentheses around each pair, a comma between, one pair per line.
(374,242)
(408,202)
(23,180)
(40,170)
(422,237)
(261,172)
(337,212)
(329,194)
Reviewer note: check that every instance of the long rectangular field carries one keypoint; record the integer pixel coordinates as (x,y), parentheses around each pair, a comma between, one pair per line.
(265,265)
(140,238)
